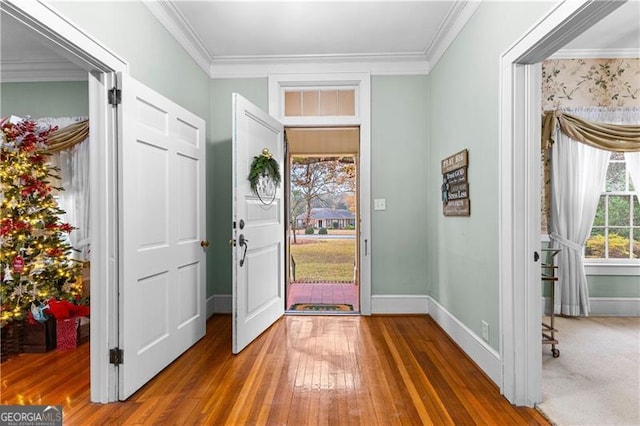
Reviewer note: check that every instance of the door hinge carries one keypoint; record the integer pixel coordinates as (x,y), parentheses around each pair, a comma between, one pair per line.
(115,96)
(116,356)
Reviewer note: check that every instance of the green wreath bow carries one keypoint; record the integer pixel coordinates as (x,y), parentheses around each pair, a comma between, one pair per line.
(263,165)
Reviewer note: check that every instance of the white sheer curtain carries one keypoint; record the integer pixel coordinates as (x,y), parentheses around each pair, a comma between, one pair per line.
(74,200)
(633,165)
(578,172)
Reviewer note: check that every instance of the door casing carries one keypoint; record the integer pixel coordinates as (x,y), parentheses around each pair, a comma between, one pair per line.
(317,153)
(101,64)
(519,197)
(361,83)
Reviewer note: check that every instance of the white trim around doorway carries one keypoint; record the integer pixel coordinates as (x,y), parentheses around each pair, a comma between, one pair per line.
(361,82)
(519,198)
(70,41)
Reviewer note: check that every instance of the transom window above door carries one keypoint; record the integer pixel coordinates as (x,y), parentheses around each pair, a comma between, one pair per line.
(320,103)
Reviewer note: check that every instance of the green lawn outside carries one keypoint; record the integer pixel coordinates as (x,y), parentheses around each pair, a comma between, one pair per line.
(324,259)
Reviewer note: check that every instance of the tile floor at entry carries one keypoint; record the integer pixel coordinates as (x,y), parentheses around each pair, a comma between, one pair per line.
(325,293)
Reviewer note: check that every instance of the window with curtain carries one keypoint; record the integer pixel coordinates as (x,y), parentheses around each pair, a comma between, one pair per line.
(583,220)
(615,234)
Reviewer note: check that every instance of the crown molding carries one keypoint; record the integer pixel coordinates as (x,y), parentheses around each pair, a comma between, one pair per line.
(262,66)
(595,53)
(176,24)
(457,17)
(19,71)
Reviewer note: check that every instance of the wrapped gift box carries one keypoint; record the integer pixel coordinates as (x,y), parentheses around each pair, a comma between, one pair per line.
(67,334)
(40,337)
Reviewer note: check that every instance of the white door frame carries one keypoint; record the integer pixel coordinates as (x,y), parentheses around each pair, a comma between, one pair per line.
(71,42)
(519,194)
(361,82)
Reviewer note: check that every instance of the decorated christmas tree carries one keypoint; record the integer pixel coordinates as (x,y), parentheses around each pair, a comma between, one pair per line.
(35,261)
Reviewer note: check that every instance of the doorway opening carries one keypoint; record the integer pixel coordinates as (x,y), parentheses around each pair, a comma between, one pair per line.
(323,220)
(45,26)
(520,309)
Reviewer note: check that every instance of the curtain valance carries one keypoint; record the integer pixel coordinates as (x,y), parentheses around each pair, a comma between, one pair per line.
(610,137)
(67,137)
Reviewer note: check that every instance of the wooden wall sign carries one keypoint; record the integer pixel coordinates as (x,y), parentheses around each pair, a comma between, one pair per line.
(455,186)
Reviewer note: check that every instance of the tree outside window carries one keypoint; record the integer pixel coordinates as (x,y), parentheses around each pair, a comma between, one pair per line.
(320,182)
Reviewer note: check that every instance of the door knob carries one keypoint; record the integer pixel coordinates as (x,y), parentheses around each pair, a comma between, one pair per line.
(204,243)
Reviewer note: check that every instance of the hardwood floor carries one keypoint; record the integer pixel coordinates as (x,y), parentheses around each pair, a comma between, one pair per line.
(304,370)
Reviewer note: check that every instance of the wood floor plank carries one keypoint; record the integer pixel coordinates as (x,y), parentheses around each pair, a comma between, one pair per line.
(304,370)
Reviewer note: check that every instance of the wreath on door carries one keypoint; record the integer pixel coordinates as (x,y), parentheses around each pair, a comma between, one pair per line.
(264,176)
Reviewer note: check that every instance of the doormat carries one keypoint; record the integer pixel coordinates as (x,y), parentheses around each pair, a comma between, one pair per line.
(321,307)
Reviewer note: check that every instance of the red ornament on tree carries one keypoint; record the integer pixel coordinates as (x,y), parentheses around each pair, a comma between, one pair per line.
(18,264)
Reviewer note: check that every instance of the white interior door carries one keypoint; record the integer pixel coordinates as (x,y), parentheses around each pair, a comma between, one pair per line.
(162,211)
(258,263)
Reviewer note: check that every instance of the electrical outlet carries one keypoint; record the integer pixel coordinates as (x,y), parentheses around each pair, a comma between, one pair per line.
(485,331)
(379,204)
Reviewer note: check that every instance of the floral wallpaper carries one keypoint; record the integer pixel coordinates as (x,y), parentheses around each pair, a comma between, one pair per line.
(590,82)
(583,83)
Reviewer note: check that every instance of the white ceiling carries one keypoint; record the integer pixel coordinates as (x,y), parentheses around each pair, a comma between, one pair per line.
(391,36)
(243,29)
(25,57)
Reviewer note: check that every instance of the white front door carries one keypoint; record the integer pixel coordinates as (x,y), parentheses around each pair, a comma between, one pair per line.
(258,228)
(162,211)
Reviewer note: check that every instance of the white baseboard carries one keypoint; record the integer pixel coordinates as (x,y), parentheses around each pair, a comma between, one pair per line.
(487,358)
(210,303)
(219,304)
(399,304)
(606,306)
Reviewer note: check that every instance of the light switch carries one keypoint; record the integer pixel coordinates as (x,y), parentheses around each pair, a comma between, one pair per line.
(379,204)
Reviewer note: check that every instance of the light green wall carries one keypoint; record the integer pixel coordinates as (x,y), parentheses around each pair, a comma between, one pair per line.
(463,251)
(219,173)
(613,286)
(50,99)
(608,286)
(155,58)
(399,173)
